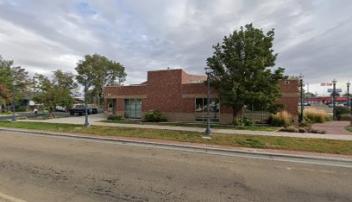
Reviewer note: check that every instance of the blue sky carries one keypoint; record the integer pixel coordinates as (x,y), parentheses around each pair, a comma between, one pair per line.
(312,36)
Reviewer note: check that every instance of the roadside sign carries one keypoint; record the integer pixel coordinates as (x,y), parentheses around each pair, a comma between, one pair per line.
(338,90)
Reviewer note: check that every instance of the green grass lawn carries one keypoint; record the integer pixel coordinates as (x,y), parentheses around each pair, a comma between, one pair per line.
(5,113)
(256,127)
(349,128)
(266,142)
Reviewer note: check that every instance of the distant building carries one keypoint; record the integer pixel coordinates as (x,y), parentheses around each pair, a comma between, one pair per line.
(325,100)
(180,97)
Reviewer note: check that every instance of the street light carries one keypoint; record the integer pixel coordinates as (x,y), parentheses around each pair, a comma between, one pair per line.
(13,106)
(334,99)
(207,130)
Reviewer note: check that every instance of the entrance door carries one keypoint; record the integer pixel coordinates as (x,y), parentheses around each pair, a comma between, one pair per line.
(112,106)
(133,108)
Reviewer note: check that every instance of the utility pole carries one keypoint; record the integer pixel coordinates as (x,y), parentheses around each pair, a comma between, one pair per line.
(301,99)
(334,99)
(349,102)
(86,122)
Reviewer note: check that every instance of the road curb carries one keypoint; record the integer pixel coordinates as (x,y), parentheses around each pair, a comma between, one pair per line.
(210,149)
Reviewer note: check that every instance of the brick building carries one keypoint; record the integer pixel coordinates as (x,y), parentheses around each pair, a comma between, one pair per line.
(180,97)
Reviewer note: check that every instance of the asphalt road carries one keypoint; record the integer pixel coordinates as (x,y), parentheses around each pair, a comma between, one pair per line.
(37,168)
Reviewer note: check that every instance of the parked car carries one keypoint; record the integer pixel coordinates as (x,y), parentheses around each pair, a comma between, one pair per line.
(79,109)
(336,105)
(93,108)
(304,104)
(60,109)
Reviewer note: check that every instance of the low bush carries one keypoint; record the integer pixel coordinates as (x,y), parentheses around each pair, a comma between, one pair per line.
(154,116)
(244,121)
(114,118)
(340,111)
(282,118)
(345,117)
(315,115)
(290,129)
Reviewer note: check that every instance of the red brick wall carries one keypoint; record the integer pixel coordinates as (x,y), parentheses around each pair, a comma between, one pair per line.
(175,91)
(290,95)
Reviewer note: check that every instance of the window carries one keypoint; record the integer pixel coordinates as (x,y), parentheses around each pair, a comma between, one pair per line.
(201,109)
(133,108)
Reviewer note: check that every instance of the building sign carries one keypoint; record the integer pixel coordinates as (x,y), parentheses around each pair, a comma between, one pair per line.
(326,84)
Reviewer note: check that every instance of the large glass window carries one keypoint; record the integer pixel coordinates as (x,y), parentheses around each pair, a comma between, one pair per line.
(133,108)
(201,108)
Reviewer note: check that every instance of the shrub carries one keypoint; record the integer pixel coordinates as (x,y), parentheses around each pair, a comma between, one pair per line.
(290,129)
(341,111)
(316,115)
(345,117)
(244,121)
(282,118)
(154,116)
(114,117)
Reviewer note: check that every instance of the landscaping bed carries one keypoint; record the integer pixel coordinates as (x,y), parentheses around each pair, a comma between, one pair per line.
(256,127)
(265,142)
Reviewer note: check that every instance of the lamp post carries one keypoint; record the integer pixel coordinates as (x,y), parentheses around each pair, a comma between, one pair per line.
(208,130)
(334,99)
(13,105)
(86,122)
(301,99)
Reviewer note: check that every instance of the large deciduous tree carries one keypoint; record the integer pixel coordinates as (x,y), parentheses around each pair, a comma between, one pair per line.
(243,70)
(97,71)
(56,91)
(14,81)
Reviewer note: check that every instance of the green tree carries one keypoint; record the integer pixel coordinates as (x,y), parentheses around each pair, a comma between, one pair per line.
(243,70)
(5,79)
(14,81)
(54,92)
(97,71)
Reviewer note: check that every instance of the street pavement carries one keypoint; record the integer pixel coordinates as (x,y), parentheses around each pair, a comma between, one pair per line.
(44,168)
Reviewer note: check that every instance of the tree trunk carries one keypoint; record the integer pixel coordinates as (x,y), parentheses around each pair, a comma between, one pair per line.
(235,112)
(51,114)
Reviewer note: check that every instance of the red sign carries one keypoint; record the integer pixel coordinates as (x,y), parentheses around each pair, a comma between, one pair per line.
(326,84)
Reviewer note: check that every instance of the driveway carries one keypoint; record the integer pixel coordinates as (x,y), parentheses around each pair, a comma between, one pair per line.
(333,127)
(74,119)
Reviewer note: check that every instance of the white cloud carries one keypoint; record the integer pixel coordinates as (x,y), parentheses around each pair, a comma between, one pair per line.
(312,37)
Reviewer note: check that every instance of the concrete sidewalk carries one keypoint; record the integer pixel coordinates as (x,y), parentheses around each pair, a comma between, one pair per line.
(96,120)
